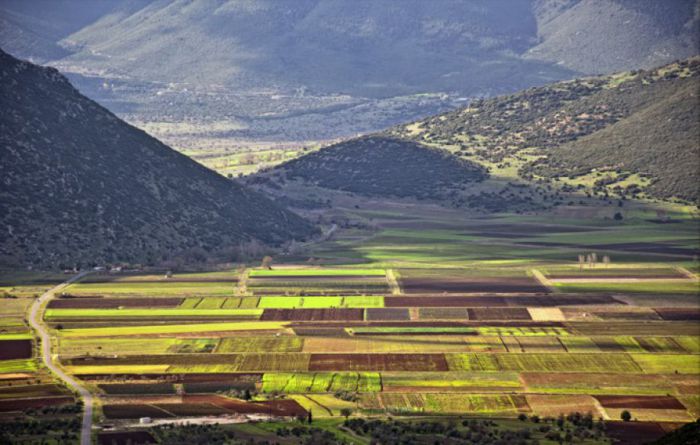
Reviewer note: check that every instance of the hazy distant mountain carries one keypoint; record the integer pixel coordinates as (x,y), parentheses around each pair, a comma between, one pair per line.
(316,70)
(80,185)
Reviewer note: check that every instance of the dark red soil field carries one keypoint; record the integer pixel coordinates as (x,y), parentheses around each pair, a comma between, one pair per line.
(373,314)
(640,402)
(633,433)
(338,314)
(442,301)
(12,349)
(441,323)
(506,313)
(631,315)
(378,362)
(22,404)
(192,409)
(446,313)
(524,301)
(471,285)
(133,411)
(125,438)
(137,388)
(179,378)
(286,407)
(678,314)
(113,303)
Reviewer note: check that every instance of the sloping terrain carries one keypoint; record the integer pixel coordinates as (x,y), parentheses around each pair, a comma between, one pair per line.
(632,134)
(625,134)
(602,36)
(80,185)
(245,85)
(379,166)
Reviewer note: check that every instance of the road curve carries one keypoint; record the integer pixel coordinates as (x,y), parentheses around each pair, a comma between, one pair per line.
(36,321)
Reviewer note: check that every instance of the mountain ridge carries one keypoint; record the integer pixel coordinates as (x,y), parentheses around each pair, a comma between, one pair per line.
(80,185)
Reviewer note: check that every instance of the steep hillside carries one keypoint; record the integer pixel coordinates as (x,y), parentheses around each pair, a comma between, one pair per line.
(626,134)
(602,36)
(632,134)
(379,166)
(79,185)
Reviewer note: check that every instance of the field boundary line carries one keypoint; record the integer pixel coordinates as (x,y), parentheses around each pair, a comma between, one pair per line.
(393,282)
(688,273)
(600,408)
(544,281)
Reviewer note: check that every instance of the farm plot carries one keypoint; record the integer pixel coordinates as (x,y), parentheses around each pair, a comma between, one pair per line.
(15,349)
(446,403)
(403,343)
(596,383)
(377,362)
(175,329)
(258,344)
(668,363)
(327,272)
(378,314)
(137,388)
(499,314)
(679,314)
(321,382)
(450,381)
(151,313)
(555,405)
(545,362)
(113,303)
(533,344)
(343,314)
(417,281)
(150,289)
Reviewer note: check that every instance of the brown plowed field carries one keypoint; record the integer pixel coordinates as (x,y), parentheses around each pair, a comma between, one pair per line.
(39,402)
(678,314)
(133,411)
(509,313)
(633,433)
(113,303)
(442,302)
(12,349)
(640,402)
(125,438)
(471,285)
(400,314)
(378,362)
(285,407)
(338,314)
(179,378)
(495,301)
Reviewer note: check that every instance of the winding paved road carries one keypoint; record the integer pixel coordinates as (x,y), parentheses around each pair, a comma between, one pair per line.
(36,321)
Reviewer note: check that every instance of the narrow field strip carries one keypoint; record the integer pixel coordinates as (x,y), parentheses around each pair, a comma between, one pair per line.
(170,329)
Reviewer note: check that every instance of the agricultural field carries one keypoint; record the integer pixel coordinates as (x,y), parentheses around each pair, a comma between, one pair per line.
(422,316)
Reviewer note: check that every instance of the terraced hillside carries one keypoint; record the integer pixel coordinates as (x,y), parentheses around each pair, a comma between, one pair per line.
(82,186)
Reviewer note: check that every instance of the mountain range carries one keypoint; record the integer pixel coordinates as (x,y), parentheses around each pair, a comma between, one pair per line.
(322,69)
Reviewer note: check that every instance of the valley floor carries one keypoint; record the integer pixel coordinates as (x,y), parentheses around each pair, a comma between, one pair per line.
(406,310)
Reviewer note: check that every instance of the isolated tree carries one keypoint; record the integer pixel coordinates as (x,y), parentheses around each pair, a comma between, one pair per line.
(346,412)
(581,261)
(626,416)
(266,262)
(309,418)
(618,216)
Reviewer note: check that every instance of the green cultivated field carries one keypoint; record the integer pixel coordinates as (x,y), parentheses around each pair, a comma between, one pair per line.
(459,326)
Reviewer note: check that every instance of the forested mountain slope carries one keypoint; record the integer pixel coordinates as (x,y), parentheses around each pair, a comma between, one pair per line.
(80,185)
(632,134)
